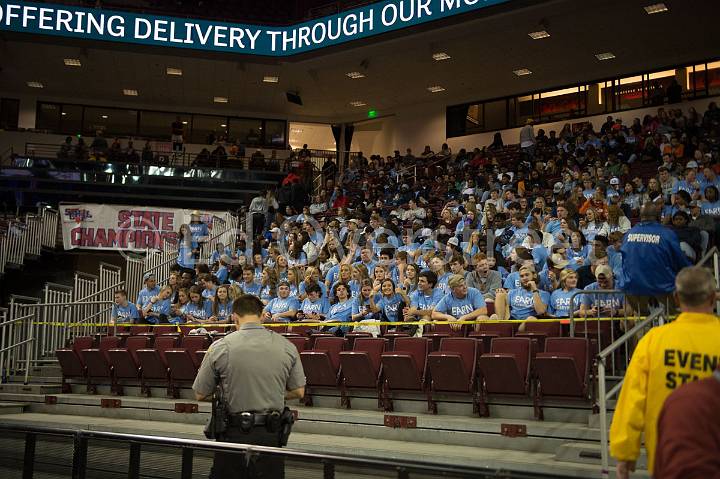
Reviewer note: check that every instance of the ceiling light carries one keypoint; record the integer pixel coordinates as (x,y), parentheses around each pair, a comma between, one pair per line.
(604,56)
(130,92)
(72,62)
(357,103)
(223,125)
(64,113)
(220,99)
(440,56)
(538,35)
(271,79)
(435,89)
(656,8)
(104,117)
(173,71)
(522,72)
(355,75)
(184,123)
(35,84)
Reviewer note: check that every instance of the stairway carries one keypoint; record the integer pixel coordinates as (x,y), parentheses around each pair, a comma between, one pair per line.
(565,444)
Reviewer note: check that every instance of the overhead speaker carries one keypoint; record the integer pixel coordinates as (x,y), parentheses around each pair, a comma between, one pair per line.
(294,98)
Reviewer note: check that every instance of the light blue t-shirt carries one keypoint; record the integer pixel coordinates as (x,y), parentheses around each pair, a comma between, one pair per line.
(319,306)
(442,283)
(390,306)
(198,312)
(602,301)
(341,312)
(323,289)
(222,274)
(224,311)
(282,305)
(424,302)
(252,288)
(457,307)
(710,209)
(363,306)
(145,295)
(267,293)
(559,305)
(512,281)
(521,302)
(125,314)
(160,307)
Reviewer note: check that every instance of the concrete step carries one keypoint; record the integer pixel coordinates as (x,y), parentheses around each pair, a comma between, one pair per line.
(30,388)
(47,371)
(589,453)
(36,379)
(320,443)
(12,407)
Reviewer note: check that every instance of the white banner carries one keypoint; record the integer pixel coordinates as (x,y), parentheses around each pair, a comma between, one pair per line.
(120,227)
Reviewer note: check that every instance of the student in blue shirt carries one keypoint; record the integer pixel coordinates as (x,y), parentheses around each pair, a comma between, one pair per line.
(222,306)
(424,299)
(210,283)
(312,276)
(390,303)
(526,302)
(177,314)
(284,307)
(341,311)
(151,289)
(220,251)
(198,309)
(123,311)
(361,308)
(366,259)
(603,305)
(268,283)
(559,305)
(199,230)
(711,205)
(314,307)
(157,310)
(248,285)
(437,266)
(461,304)
(222,272)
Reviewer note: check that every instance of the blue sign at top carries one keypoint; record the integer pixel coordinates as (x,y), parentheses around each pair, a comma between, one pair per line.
(125,27)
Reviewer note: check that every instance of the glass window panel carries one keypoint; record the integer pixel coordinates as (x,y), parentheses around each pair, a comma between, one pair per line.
(71,119)
(495,115)
(275,133)
(111,121)
(247,131)
(48,117)
(158,124)
(205,125)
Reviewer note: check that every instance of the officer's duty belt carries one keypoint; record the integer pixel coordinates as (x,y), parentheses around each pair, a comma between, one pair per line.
(247,418)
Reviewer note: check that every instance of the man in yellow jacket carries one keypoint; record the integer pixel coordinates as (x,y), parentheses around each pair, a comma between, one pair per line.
(667,357)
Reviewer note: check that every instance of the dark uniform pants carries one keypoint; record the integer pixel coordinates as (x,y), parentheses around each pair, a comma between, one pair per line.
(233,466)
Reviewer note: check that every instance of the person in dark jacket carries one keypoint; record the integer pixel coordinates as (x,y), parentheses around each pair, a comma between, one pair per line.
(651,258)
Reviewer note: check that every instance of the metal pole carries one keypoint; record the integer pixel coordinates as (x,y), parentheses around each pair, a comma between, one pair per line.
(716,266)
(603,419)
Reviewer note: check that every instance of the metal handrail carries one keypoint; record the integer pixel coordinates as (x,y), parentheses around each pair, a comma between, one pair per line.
(625,337)
(82,300)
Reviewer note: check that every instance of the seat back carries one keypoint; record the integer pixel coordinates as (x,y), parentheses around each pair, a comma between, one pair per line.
(577,347)
(374,347)
(70,363)
(107,343)
(194,343)
(446,329)
(518,347)
(299,342)
(418,348)
(158,330)
(134,343)
(502,330)
(467,348)
(549,329)
(140,329)
(332,345)
(82,342)
(352,336)
(391,337)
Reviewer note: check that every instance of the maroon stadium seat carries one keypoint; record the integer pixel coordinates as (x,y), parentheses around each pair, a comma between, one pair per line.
(298,329)
(506,369)
(446,329)
(124,361)
(299,342)
(405,368)
(71,360)
(322,364)
(562,370)
(352,336)
(487,331)
(183,362)
(315,336)
(391,337)
(436,338)
(539,331)
(153,364)
(361,367)
(98,363)
(453,368)
(200,355)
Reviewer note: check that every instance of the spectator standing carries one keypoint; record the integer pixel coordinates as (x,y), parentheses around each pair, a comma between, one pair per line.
(674,92)
(665,358)
(257,210)
(651,258)
(177,136)
(527,138)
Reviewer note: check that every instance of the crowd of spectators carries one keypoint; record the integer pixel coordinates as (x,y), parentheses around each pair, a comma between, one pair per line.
(522,227)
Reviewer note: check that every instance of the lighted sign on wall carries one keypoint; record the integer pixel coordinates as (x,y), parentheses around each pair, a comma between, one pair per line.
(116,26)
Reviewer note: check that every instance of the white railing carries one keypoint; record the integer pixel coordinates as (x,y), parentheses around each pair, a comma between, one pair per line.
(16,235)
(33,234)
(608,388)
(16,336)
(85,288)
(714,256)
(52,333)
(50,221)
(4,242)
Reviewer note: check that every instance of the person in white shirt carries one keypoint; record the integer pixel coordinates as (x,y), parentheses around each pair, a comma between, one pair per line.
(527,138)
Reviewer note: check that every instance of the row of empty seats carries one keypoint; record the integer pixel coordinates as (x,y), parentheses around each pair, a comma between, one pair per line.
(531,364)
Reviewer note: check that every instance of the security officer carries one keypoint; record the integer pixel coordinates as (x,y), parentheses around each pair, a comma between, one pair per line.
(254,370)
(665,358)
